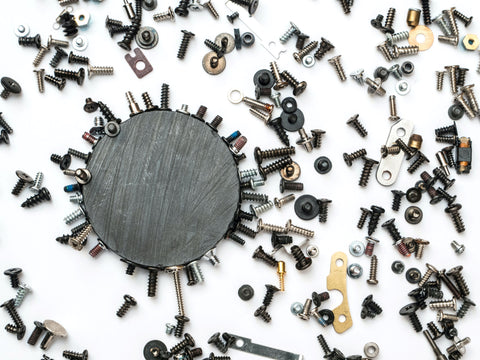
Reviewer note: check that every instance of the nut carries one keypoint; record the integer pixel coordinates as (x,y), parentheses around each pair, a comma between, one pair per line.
(471,42)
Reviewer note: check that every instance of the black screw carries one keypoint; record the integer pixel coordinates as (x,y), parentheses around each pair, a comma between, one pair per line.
(233,16)
(457,275)
(192,353)
(410,311)
(440,175)
(326,349)
(217,341)
(421,159)
(152,282)
(10,86)
(165,97)
(463,18)
(279,130)
(112,22)
(397,199)
(377,211)
(246,230)
(325,46)
(409,152)
(229,339)
(453,211)
(318,298)
(349,158)
(129,301)
(59,55)
(280,240)
(78,76)
(301,39)
(367,169)
(10,308)
(263,314)
(187,342)
(13,274)
(420,296)
(58,82)
(447,130)
(271,290)
(42,195)
(355,123)
(36,333)
(75,356)
(191,278)
(113,30)
(443,194)
(244,215)
(323,212)
(251,5)
(182,50)
(255,197)
(4,138)
(30,41)
(434,330)
(467,304)
(182,8)
(260,155)
(260,254)
(214,47)
(64,161)
(180,325)
(5,125)
(303,262)
(77,59)
(298,87)
(290,185)
(23,180)
(363,217)
(107,113)
(317,137)
(275,166)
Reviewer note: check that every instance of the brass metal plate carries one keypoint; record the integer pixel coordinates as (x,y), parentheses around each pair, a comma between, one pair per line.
(421,30)
(337,280)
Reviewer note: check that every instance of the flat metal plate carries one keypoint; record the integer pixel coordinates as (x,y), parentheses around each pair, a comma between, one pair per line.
(134,62)
(389,167)
(164,191)
(246,345)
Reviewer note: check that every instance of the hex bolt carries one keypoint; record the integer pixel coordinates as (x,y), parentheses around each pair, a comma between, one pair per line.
(23,180)
(129,301)
(260,254)
(305,140)
(293,29)
(372,280)
(366,171)
(359,128)
(40,81)
(305,314)
(336,63)
(435,348)
(459,248)
(454,211)
(298,56)
(36,333)
(420,160)
(375,87)
(410,311)
(75,356)
(59,83)
(363,217)
(440,75)
(290,228)
(457,275)
(325,46)
(302,262)
(262,313)
(376,212)
(349,158)
(298,87)
(13,274)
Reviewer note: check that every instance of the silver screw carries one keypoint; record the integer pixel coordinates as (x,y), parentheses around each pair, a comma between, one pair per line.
(22,291)
(393,108)
(40,82)
(175,271)
(99,70)
(282,201)
(37,183)
(305,314)
(289,33)
(459,248)
(212,257)
(40,55)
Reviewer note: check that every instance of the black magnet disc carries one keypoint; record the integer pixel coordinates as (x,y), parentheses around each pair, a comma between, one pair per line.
(164,191)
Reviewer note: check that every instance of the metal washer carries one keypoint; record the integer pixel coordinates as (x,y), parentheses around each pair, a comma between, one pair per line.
(80,43)
(230,43)
(22,30)
(147,37)
(207,63)
(296,172)
(357,248)
(371,350)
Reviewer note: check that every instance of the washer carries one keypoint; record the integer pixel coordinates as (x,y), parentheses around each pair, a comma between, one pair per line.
(421,30)
(357,248)
(248,39)
(80,43)
(291,172)
(147,37)
(292,122)
(306,207)
(22,30)
(82,18)
(233,98)
(230,41)
(289,105)
(402,87)
(327,315)
(371,350)
(308,61)
(210,59)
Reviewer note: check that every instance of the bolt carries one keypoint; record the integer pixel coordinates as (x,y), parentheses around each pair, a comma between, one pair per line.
(129,301)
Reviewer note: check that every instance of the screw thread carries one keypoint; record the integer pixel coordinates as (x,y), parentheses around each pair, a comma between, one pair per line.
(306,50)
(357,125)
(270,228)
(325,46)
(236,238)
(277,165)
(279,152)
(260,209)
(434,330)
(280,131)
(182,50)
(195,266)
(179,327)
(152,282)
(58,82)
(300,231)
(451,20)
(148,101)
(130,269)
(112,22)
(349,158)
(405,148)
(324,345)
(74,355)
(35,335)
(390,18)
(255,197)
(211,9)
(40,82)
(282,201)
(323,212)
(420,160)
(292,81)
(335,62)
(442,304)
(77,59)
(464,309)
(19,186)
(447,139)
(373,269)
(43,195)
(472,100)
(298,254)
(397,37)
(387,54)
(457,221)
(425,277)
(107,113)
(20,296)
(123,309)
(59,55)
(263,314)
(70,75)
(97,249)
(260,254)
(366,171)
(415,321)
(12,312)
(461,284)
(40,55)
(216,121)
(78,241)
(37,182)
(461,76)
(288,34)
(363,218)
(165,97)
(99,70)
(373,222)
(246,230)
(440,76)
(267,299)
(167,15)
(72,217)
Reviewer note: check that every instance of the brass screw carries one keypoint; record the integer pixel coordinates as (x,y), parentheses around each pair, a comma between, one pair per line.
(281,274)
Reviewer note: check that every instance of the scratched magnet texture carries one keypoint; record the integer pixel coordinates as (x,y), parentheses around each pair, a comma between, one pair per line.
(164,191)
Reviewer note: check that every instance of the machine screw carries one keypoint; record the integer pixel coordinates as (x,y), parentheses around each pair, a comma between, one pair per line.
(355,123)
(459,248)
(36,333)
(317,137)
(260,254)
(441,316)
(42,51)
(303,262)
(305,314)
(23,180)
(75,356)
(129,301)
(335,62)
(305,140)
(366,171)
(40,82)
(372,280)
(375,87)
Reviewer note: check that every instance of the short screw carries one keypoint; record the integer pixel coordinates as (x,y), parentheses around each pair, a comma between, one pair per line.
(305,140)
(441,316)
(167,15)
(232,17)
(31,41)
(444,304)
(77,59)
(440,76)
(393,108)
(366,171)
(129,301)
(349,158)
(410,311)
(431,270)
(40,81)
(289,33)
(376,212)
(22,291)
(325,46)
(307,306)
(279,202)
(355,123)
(459,248)
(335,62)
(42,51)
(75,356)
(298,56)
(56,42)
(457,275)
(13,274)
(23,180)
(260,254)
(454,211)
(375,87)
(387,54)
(420,160)
(323,213)
(187,342)
(363,217)
(36,333)
(302,262)
(262,313)
(298,87)
(397,199)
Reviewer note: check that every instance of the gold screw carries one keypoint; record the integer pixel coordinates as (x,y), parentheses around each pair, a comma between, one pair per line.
(281,274)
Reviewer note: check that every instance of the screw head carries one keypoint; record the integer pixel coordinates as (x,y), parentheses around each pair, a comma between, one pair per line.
(189,340)
(300,88)
(130,300)
(12,271)
(408,309)
(24,176)
(453,208)
(11,85)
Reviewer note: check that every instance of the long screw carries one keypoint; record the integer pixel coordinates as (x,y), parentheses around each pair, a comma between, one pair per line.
(175,270)
(363,217)
(355,123)
(335,62)
(435,348)
(372,280)
(366,171)
(40,82)
(182,50)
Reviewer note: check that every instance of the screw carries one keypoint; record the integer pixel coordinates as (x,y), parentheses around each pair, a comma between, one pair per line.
(456,273)
(440,175)
(279,130)
(371,242)
(421,159)
(260,155)
(440,76)
(99,70)
(77,59)
(302,262)
(187,342)
(305,140)
(289,33)
(23,180)
(323,213)
(396,37)
(97,249)
(444,304)
(271,290)
(305,314)
(325,46)
(59,55)
(217,341)
(275,166)
(231,18)
(363,217)
(459,248)
(372,280)
(434,346)
(187,36)
(349,158)
(326,349)
(42,51)
(389,225)
(405,50)
(281,274)
(75,356)
(441,316)
(289,227)
(36,333)
(430,271)
(30,41)
(259,209)
(375,87)
(420,248)
(463,18)
(409,152)
(298,56)
(260,312)
(279,82)
(376,212)
(317,137)
(467,304)
(260,254)
(355,123)
(335,62)
(410,311)
(40,82)
(472,100)
(367,169)
(451,20)
(453,211)
(55,42)
(58,82)
(129,301)
(13,274)
(442,24)
(393,108)
(22,291)
(279,202)
(9,306)
(397,199)
(458,348)
(211,9)
(261,226)
(298,87)
(167,15)
(78,76)
(251,6)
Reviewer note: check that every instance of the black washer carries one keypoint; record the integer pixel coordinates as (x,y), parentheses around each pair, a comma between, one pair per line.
(327,315)
(414,194)
(246,292)
(455,112)
(289,105)
(155,350)
(306,207)
(413,275)
(398,267)
(292,122)
(323,165)
(248,39)
(407,68)
(263,79)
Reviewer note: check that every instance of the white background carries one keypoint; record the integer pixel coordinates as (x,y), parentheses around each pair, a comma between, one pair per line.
(83,293)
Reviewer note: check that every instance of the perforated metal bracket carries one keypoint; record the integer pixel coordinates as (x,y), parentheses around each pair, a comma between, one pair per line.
(389,167)
(246,345)
(138,59)
(267,40)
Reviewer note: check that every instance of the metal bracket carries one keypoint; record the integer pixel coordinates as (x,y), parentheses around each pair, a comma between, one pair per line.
(246,345)
(139,58)
(337,280)
(389,167)
(268,41)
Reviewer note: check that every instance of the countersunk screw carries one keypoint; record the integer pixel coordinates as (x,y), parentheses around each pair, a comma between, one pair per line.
(129,301)
(335,62)
(13,274)
(42,51)
(375,87)
(271,290)
(420,160)
(279,202)
(30,41)
(459,248)
(431,270)
(40,82)
(298,87)
(385,51)
(463,18)
(293,29)
(36,333)
(260,254)
(75,356)
(232,17)
(325,46)
(78,76)
(366,171)
(363,217)
(302,262)
(260,155)
(372,280)
(355,123)
(454,212)
(377,211)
